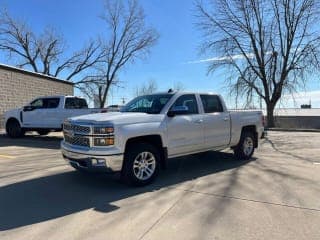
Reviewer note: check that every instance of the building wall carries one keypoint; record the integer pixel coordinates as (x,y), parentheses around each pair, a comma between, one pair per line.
(18,87)
(298,122)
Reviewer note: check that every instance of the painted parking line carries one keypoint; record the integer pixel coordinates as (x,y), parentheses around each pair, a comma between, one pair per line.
(7,156)
(317,163)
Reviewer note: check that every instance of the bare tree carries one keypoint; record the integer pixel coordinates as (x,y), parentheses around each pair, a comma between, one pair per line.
(44,53)
(129,39)
(270,45)
(147,88)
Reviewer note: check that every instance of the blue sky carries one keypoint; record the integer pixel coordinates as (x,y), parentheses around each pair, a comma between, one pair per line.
(167,64)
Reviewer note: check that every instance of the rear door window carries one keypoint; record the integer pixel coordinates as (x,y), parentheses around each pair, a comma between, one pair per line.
(75,103)
(211,103)
(51,102)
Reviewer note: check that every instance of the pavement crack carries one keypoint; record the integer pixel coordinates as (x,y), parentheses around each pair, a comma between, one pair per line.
(161,217)
(249,200)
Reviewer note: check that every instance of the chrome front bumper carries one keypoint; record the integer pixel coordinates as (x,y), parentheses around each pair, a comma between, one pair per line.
(109,163)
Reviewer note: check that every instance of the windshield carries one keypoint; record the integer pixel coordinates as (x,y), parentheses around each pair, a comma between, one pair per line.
(152,104)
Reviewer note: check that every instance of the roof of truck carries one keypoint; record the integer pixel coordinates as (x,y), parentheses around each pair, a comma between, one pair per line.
(60,96)
(184,92)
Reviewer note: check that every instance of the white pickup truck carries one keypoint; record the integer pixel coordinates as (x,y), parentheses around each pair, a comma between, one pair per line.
(45,114)
(151,129)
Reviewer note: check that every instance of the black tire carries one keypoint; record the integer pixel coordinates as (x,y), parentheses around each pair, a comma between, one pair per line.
(14,129)
(43,132)
(133,154)
(242,150)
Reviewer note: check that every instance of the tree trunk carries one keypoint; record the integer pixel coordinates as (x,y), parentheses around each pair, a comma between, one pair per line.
(102,102)
(105,94)
(270,118)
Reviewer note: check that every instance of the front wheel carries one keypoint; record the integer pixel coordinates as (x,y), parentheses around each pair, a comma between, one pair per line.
(13,129)
(245,148)
(141,164)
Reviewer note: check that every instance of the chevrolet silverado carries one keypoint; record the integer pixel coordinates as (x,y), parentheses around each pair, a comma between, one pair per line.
(151,129)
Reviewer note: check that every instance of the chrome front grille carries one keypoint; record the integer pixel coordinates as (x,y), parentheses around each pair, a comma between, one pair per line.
(79,129)
(77,140)
(76,134)
(84,135)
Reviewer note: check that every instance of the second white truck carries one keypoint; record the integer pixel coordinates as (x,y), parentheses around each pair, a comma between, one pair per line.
(45,114)
(151,129)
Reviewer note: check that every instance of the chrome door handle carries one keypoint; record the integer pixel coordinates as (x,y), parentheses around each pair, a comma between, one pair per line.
(226,119)
(198,121)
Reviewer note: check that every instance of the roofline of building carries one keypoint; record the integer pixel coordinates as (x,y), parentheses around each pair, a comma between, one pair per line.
(20,70)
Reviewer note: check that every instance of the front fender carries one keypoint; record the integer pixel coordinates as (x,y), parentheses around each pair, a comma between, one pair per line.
(126,132)
(14,113)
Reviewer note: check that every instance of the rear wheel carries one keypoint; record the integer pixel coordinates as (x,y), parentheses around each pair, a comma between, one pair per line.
(14,129)
(141,165)
(245,148)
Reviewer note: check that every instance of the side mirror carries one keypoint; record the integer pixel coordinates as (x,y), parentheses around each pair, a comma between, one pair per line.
(28,108)
(178,110)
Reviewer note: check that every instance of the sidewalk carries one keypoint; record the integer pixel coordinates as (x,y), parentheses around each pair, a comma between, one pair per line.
(292,129)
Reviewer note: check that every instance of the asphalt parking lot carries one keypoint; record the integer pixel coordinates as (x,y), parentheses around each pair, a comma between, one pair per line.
(276,195)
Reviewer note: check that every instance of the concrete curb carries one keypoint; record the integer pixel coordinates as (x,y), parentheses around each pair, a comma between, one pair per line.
(292,130)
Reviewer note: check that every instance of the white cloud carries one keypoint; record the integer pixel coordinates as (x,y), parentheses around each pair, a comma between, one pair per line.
(217,59)
(233,57)
(222,58)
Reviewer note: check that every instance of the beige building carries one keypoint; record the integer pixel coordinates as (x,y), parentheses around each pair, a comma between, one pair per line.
(18,87)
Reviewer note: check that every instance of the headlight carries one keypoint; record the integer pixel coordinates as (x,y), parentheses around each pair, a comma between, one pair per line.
(103,130)
(67,126)
(103,141)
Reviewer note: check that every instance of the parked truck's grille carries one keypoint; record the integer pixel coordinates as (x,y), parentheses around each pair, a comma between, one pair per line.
(77,140)
(76,128)
(75,134)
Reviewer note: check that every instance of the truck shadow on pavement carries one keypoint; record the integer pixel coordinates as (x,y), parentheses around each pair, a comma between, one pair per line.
(50,197)
(32,141)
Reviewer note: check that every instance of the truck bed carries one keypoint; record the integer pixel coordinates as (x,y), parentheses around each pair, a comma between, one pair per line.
(241,118)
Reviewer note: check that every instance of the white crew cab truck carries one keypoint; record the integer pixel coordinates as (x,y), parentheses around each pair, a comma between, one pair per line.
(45,114)
(151,129)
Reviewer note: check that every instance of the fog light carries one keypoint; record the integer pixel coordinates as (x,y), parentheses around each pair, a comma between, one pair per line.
(101,161)
(94,161)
